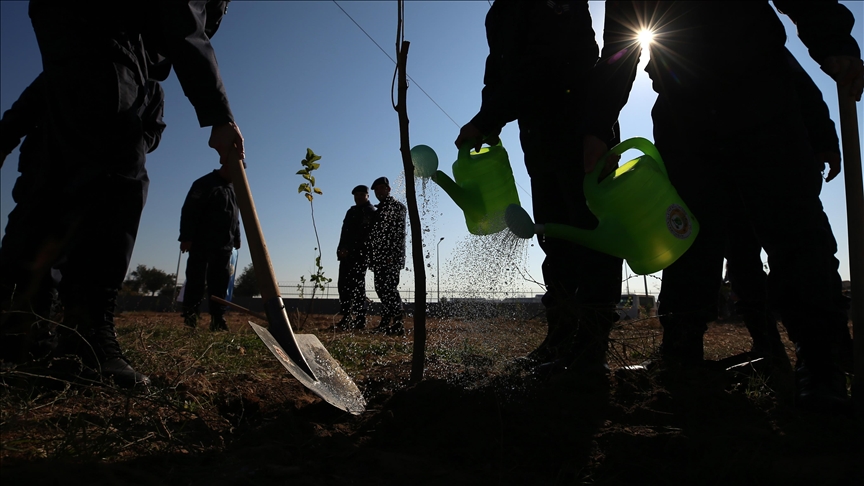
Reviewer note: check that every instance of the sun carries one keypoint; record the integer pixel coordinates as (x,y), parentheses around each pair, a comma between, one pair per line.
(645,37)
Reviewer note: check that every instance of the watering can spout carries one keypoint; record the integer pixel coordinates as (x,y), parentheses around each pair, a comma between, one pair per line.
(458,194)
(596,239)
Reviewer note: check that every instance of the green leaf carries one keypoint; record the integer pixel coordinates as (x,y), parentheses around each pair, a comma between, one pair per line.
(314,166)
(309,178)
(309,197)
(309,154)
(317,191)
(304,188)
(302,171)
(314,158)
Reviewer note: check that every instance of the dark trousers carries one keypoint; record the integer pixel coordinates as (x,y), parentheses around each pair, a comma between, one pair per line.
(748,279)
(210,266)
(754,148)
(386,280)
(578,280)
(91,197)
(352,287)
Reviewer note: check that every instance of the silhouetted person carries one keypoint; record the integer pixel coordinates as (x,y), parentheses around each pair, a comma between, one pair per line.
(30,332)
(745,268)
(97,58)
(353,255)
(388,256)
(209,231)
(540,54)
(729,124)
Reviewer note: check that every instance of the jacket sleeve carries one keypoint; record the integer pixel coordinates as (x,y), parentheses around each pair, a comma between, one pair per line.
(152,116)
(344,236)
(824,26)
(194,60)
(817,118)
(238,236)
(612,78)
(403,212)
(500,95)
(22,117)
(192,213)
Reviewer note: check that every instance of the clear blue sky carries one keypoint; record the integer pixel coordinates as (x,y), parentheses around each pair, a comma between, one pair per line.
(302,74)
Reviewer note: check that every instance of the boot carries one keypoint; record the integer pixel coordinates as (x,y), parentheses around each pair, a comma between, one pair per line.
(191,318)
(383,325)
(820,381)
(217,323)
(584,352)
(682,343)
(767,343)
(359,322)
(395,329)
(562,324)
(90,335)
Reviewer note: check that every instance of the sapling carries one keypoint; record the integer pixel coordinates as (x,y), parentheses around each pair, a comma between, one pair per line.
(308,189)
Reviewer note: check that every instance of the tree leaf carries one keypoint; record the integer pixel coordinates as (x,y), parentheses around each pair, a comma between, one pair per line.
(304,188)
(309,197)
(314,166)
(317,191)
(302,171)
(310,178)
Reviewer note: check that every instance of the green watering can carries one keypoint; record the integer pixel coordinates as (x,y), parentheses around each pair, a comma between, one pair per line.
(484,185)
(642,217)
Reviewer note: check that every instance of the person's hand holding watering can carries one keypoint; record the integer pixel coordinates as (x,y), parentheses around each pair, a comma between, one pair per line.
(471,134)
(592,150)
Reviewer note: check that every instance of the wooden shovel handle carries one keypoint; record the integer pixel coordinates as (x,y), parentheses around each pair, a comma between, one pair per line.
(267,284)
(850,134)
(238,307)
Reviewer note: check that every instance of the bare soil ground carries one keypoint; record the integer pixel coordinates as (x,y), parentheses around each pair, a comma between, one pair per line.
(222,411)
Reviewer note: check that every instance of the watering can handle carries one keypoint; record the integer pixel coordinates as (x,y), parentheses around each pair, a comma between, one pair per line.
(465,149)
(642,144)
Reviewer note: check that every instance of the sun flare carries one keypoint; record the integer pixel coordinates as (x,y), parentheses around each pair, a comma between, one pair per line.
(645,38)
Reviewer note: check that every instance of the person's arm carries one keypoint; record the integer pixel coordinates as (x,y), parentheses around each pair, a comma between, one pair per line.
(192,212)
(825,27)
(611,79)
(817,119)
(344,246)
(187,46)
(21,118)
(499,97)
(152,116)
(237,234)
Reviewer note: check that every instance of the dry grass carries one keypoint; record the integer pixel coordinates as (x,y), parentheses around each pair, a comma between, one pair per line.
(221,410)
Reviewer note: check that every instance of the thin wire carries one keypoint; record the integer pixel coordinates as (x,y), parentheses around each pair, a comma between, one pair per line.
(394,62)
(409,77)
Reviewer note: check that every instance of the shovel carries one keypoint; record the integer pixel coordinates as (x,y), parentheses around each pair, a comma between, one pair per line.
(302,355)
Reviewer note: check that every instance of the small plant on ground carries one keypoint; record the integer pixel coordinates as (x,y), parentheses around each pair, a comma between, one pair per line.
(308,189)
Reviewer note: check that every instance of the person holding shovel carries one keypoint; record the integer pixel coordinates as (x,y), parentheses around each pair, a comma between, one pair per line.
(209,231)
(743,252)
(353,255)
(96,61)
(728,122)
(540,54)
(387,241)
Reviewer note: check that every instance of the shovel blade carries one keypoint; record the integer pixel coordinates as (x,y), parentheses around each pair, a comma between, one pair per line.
(332,384)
